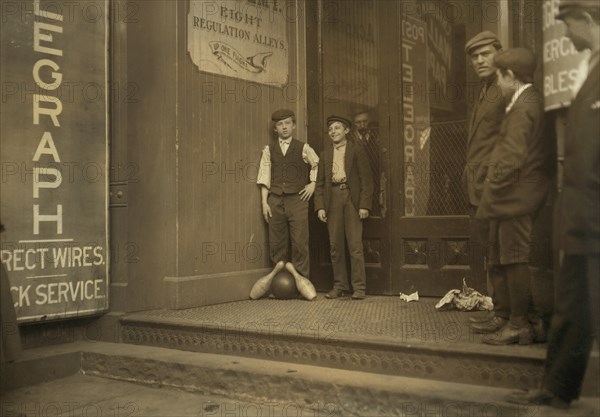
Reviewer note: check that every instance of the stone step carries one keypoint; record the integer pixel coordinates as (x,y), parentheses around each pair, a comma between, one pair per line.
(467,363)
(378,335)
(275,388)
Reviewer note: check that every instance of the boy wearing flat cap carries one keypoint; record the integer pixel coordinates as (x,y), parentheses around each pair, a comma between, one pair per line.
(343,200)
(515,188)
(484,127)
(287,176)
(576,320)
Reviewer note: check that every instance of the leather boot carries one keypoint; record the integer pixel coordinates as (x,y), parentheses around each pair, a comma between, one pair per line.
(495,324)
(511,334)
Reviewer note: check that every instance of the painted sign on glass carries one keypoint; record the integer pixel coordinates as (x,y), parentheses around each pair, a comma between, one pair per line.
(54,196)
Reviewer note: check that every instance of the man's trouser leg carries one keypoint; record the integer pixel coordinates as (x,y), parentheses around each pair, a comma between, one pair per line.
(480,235)
(519,289)
(297,212)
(337,239)
(496,272)
(278,229)
(570,338)
(353,227)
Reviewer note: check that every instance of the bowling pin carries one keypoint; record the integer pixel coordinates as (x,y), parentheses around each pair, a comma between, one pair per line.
(304,286)
(261,287)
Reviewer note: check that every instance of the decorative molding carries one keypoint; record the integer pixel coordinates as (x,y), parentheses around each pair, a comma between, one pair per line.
(499,370)
(415,251)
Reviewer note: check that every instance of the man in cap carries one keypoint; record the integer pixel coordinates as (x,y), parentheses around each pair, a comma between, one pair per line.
(343,199)
(515,189)
(287,177)
(575,321)
(484,125)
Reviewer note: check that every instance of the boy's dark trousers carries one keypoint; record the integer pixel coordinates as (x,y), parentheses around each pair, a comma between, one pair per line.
(290,220)
(345,226)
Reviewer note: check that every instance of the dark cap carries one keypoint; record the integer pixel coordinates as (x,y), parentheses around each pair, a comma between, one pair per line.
(568,6)
(521,61)
(281,114)
(481,39)
(340,119)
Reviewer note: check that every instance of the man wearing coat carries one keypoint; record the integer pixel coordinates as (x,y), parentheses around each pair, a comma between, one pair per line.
(515,188)
(575,321)
(484,126)
(343,199)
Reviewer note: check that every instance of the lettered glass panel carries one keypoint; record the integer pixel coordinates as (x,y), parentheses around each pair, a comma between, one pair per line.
(434,112)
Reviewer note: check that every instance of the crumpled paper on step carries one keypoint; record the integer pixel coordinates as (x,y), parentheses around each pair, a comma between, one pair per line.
(408,298)
(466,299)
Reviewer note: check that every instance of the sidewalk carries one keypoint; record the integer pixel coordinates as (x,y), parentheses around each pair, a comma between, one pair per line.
(89,396)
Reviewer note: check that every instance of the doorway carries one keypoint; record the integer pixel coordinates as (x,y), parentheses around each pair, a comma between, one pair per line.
(397,70)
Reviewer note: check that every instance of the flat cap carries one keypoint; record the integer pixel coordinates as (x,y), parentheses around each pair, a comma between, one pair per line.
(567,6)
(481,39)
(521,61)
(340,119)
(281,114)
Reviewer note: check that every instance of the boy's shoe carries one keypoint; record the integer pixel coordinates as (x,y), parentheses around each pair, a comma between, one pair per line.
(335,293)
(491,326)
(482,319)
(358,295)
(509,335)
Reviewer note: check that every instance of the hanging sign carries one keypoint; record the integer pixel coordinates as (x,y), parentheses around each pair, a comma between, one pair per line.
(245,39)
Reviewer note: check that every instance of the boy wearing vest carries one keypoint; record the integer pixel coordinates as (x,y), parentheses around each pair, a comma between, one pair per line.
(287,176)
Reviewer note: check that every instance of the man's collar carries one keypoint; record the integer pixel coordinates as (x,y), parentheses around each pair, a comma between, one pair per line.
(487,82)
(286,141)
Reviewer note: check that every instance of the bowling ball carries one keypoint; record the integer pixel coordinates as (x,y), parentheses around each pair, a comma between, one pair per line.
(283,286)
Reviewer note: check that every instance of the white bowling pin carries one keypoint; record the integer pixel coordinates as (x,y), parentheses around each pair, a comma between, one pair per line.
(263,284)
(305,287)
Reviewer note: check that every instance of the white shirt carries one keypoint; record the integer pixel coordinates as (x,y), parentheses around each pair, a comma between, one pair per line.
(309,156)
(516,95)
(338,170)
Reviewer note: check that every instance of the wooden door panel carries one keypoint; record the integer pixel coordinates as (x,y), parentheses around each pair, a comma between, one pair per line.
(434,255)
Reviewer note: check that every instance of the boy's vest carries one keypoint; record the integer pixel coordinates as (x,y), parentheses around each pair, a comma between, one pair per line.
(289,173)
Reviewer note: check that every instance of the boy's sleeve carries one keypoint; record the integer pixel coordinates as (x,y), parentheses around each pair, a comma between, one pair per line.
(320,188)
(510,152)
(264,169)
(310,157)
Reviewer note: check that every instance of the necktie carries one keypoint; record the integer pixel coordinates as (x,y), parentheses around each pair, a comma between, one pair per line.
(482,94)
(478,103)
(284,146)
